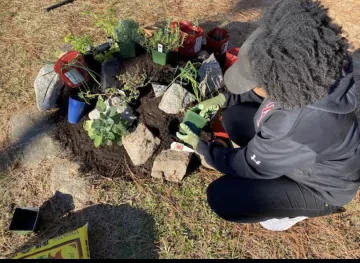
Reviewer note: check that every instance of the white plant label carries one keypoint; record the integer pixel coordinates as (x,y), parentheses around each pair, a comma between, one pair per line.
(160,48)
(179,147)
(198,44)
(225,47)
(74,76)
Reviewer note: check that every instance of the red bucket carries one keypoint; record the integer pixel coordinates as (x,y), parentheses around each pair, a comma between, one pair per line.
(217,41)
(231,57)
(193,38)
(70,68)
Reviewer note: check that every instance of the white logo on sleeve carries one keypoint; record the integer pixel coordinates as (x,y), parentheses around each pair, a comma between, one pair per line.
(253,158)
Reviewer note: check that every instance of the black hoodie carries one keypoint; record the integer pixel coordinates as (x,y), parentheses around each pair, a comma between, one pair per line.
(317,146)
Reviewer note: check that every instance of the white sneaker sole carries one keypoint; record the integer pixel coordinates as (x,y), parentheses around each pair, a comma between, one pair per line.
(281,224)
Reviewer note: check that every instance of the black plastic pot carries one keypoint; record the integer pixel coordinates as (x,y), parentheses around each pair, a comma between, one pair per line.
(25,221)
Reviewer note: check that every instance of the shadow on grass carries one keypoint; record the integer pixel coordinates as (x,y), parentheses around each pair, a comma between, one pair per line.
(26,128)
(115,232)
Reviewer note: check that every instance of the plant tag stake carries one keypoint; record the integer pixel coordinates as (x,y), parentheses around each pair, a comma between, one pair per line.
(74,76)
(224,48)
(181,147)
(198,44)
(160,48)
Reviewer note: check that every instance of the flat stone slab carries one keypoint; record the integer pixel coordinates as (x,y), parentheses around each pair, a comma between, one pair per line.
(171,165)
(140,145)
(65,179)
(175,99)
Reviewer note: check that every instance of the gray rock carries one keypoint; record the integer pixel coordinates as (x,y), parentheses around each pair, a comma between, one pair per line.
(110,69)
(175,99)
(47,87)
(141,144)
(211,76)
(171,165)
(65,179)
(158,89)
(126,111)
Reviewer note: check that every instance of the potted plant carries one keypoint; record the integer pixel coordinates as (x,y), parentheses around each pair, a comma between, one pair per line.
(217,41)
(25,220)
(193,35)
(127,35)
(194,121)
(72,69)
(109,128)
(163,41)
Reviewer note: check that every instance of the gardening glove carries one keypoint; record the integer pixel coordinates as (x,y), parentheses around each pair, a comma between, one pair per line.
(211,106)
(189,137)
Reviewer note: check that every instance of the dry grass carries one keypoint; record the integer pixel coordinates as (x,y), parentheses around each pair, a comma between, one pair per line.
(184,226)
(164,220)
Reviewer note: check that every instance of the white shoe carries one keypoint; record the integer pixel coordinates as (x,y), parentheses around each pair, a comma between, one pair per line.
(281,224)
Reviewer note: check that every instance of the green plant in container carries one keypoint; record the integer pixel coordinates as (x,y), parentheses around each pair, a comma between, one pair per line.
(127,35)
(162,42)
(109,128)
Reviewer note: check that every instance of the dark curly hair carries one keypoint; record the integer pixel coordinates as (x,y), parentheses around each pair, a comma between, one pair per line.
(300,54)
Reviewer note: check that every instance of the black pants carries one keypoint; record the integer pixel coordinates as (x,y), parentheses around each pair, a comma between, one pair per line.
(251,201)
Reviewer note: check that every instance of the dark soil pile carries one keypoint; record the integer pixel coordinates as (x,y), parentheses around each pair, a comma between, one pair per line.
(114,161)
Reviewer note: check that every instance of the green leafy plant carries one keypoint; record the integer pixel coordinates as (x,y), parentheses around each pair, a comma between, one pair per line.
(131,85)
(106,21)
(127,31)
(101,57)
(169,37)
(190,74)
(87,95)
(109,128)
(81,44)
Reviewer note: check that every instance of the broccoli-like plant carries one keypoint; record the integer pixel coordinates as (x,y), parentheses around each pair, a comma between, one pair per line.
(108,128)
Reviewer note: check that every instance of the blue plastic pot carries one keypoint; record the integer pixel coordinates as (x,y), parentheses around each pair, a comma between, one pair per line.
(76,109)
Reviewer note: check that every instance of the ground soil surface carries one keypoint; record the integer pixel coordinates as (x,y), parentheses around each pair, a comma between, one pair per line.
(113,161)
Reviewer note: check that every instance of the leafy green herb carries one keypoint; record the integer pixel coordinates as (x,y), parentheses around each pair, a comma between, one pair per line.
(169,37)
(109,128)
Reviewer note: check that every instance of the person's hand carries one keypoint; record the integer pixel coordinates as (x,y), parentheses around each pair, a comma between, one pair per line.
(211,106)
(189,137)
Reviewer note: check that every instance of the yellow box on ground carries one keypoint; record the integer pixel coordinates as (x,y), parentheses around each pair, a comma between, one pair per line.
(73,245)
